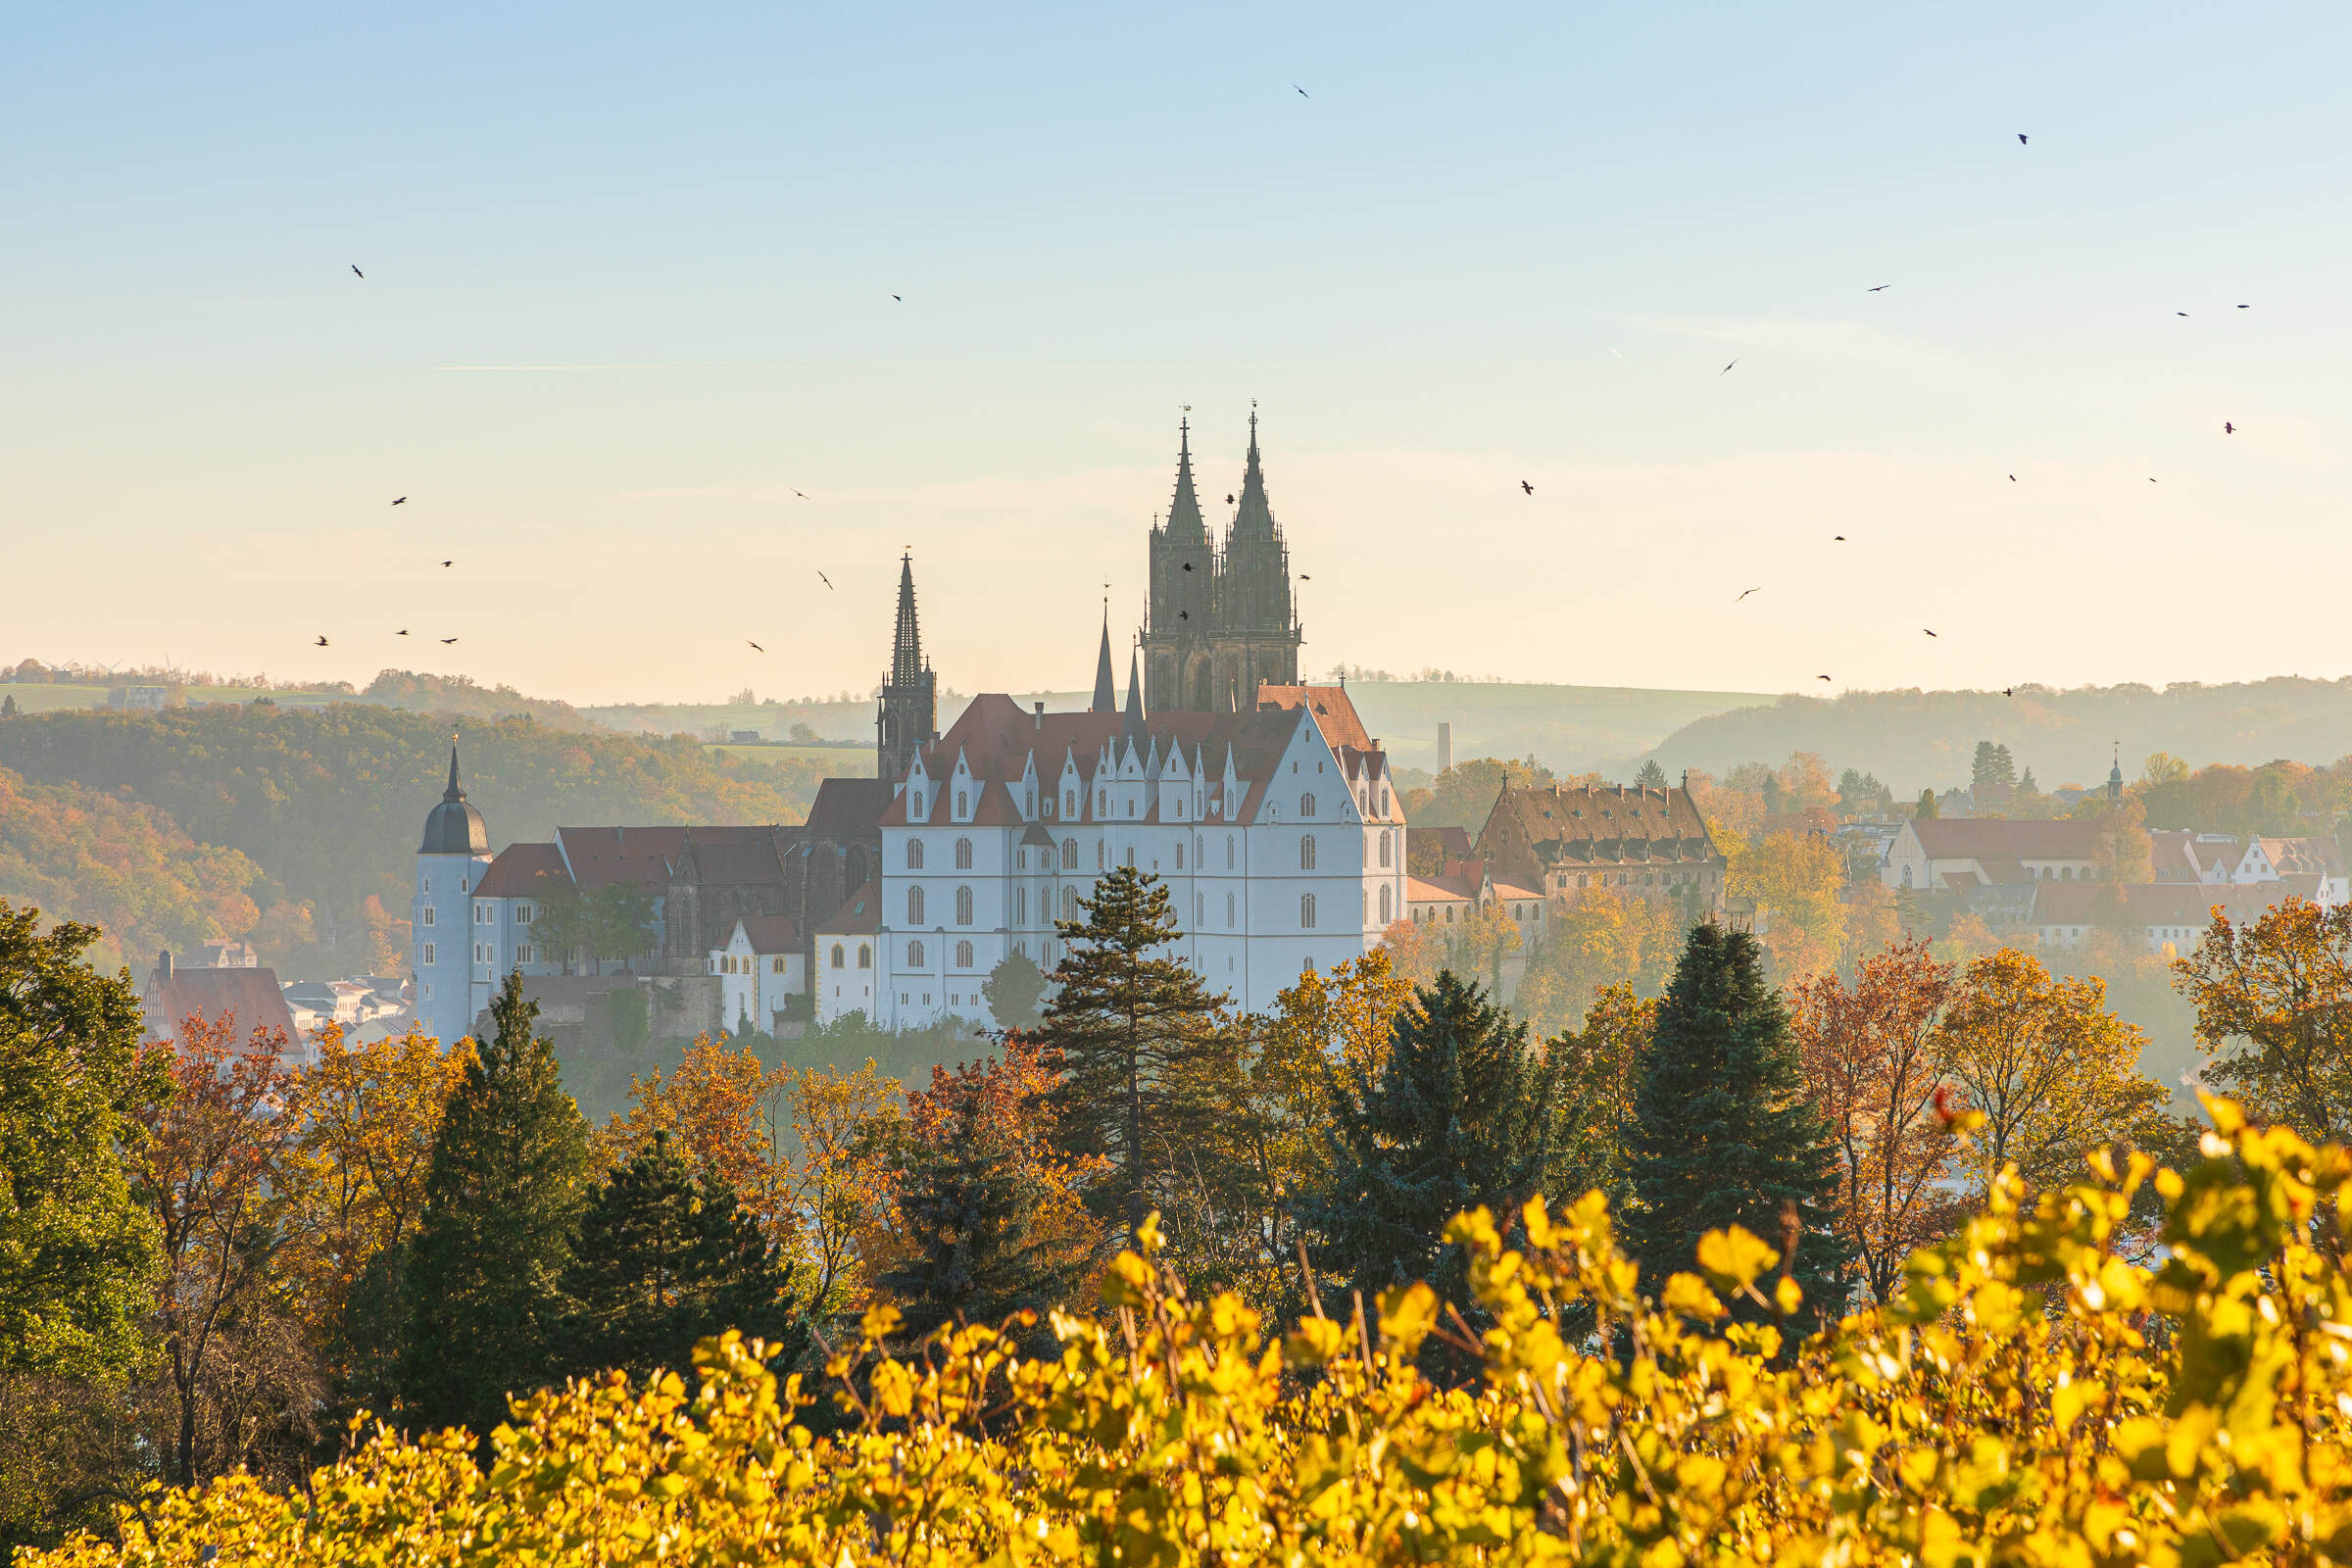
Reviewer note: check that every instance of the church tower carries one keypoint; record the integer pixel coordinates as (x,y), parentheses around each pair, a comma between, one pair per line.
(1178,666)
(1254,632)
(449,861)
(908,717)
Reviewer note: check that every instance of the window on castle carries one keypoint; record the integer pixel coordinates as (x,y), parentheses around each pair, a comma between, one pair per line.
(838,955)
(1307,912)
(1102,855)
(915,806)
(1102,803)
(964,905)
(1385,903)
(1307,805)
(775,965)
(1384,800)
(914,855)
(1228,911)
(1069,904)
(963,805)
(865,956)
(1131,855)
(428,915)
(1180,855)
(1307,852)
(964,855)
(428,955)
(524,914)
(1069,855)
(914,906)
(1228,852)
(1200,911)
(963,955)
(1384,849)
(1020,906)
(1069,803)
(914,955)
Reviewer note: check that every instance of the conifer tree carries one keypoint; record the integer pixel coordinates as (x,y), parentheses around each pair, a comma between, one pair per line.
(1461,1112)
(968,1204)
(1723,1131)
(1148,1061)
(664,1260)
(509,1176)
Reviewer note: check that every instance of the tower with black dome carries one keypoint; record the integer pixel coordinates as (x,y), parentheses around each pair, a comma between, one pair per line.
(450,862)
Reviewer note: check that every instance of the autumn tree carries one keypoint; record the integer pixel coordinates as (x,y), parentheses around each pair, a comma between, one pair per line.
(2052,1071)
(1723,1131)
(1598,939)
(2273,1002)
(844,1129)
(502,1197)
(1461,1112)
(1794,879)
(240,1378)
(661,1261)
(1141,1043)
(2119,845)
(727,1114)
(1416,948)
(1870,1058)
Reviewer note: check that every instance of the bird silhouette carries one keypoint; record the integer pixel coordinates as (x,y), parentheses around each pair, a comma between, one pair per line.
(355,267)
(827,581)
(1300,91)
(2245,306)
(2008,691)
(446,641)
(802,494)
(321,642)
(1880,289)
(756,648)
(1184,614)
(1229,501)
(2021,138)
(1838,538)
(2228,428)
(1528,488)
(1303,577)
(1929,633)
(2180,312)
(1727,369)
(896,297)
(403,632)
(400,501)
(1759,588)
(1821,677)
(1188,565)
(2013,478)
(2151,478)
(449,563)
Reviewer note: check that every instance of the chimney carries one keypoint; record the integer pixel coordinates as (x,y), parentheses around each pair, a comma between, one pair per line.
(162,963)
(1040,720)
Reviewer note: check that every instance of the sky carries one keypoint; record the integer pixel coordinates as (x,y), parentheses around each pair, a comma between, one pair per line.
(629,297)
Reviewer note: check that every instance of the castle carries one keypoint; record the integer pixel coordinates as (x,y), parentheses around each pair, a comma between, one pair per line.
(1260,801)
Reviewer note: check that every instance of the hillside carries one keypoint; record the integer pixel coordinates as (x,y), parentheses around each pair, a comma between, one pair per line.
(328,803)
(1914,739)
(456,696)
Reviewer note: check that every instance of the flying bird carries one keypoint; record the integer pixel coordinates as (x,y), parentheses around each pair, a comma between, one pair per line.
(1929,633)
(2013,478)
(1838,538)
(400,501)
(2008,691)
(1821,677)
(446,641)
(2228,428)
(1757,589)
(1300,91)
(2245,306)
(756,648)
(355,267)
(2180,312)
(802,494)
(896,297)
(2151,478)
(827,581)
(1528,488)
(1727,369)
(1184,614)
(321,642)
(1881,289)
(1303,577)
(403,632)
(1188,565)
(2021,138)
(1229,501)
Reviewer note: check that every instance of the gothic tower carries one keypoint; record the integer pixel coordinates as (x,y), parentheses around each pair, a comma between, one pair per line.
(908,717)
(1178,666)
(1253,629)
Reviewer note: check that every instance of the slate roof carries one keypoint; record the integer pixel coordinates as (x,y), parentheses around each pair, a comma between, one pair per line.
(768,933)
(859,913)
(1978,838)
(847,807)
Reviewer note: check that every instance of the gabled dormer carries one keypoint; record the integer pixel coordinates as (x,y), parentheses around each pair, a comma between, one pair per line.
(1029,802)
(963,789)
(1071,791)
(917,791)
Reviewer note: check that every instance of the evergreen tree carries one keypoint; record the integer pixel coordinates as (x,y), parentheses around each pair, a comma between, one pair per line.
(968,1203)
(1015,988)
(1142,1044)
(509,1175)
(1723,1133)
(1926,811)
(1462,1112)
(1651,776)
(664,1260)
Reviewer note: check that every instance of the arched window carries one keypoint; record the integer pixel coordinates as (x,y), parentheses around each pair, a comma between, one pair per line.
(1102,803)
(963,955)
(963,805)
(914,855)
(1180,855)
(1020,906)
(1228,911)
(1228,852)
(964,855)
(915,806)
(1385,903)
(1069,803)
(1307,852)
(964,905)
(839,957)
(914,955)
(1102,855)
(1384,849)
(1307,805)
(1200,911)
(914,906)
(1384,800)
(1307,912)
(865,956)
(1131,855)
(1069,855)
(1069,904)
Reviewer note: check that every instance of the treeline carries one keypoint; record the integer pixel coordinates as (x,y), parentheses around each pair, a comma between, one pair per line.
(327,805)
(225,1258)
(1916,739)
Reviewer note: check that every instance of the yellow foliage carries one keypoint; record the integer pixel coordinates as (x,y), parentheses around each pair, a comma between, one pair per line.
(2029,1396)
(1796,879)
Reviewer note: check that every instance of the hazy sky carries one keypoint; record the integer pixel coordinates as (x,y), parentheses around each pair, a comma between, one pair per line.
(630,276)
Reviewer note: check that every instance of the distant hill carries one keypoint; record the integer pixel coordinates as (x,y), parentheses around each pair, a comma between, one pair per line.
(454,695)
(1914,739)
(1569,729)
(328,803)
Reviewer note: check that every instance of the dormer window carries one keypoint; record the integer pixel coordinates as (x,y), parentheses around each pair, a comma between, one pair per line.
(915,806)
(1069,803)
(963,805)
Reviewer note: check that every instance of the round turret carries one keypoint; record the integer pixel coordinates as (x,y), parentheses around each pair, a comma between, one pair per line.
(455,827)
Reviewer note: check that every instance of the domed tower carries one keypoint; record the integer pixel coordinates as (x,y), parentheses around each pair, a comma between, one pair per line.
(450,863)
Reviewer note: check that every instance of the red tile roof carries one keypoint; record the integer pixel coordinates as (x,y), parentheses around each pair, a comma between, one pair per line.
(520,871)
(769,933)
(1334,715)
(847,807)
(251,997)
(2148,904)
(860,912)
(1976,838)
(600,856)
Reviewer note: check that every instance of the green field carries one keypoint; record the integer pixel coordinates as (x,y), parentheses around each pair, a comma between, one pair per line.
(838,762)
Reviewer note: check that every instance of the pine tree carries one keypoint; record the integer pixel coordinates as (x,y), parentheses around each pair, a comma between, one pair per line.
(664,1260)
(1651,776)
(1147,1062)
(1013,989)
(1925,810)
(1723,1133)
(509,1176)
(969,1204)
(1461,1113)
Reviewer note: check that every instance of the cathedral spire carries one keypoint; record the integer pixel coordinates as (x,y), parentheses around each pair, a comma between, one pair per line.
(455,791)
(906,643)
(1106,697)
(1133,727)
(1185,525)
(1253,519)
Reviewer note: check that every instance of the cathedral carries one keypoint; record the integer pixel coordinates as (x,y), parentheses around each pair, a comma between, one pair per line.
(1222,622)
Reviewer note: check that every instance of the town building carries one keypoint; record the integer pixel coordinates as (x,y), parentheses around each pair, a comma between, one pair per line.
(1637,841)
(450,860)
(762,965)
(246,996)
(1962,856)
(2161,916)
(843,956)
(1222,620)
(1452,894)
